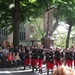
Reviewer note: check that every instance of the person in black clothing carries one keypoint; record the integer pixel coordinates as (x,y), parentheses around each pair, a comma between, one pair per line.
(34,58)
(27,60)
(11,49)
(67,56)
(58,57)
(41,57)
(16,50)
(5,60)
(70,58)
(49,60)
(74,57)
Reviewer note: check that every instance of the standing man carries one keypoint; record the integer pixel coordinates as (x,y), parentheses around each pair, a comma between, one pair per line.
(58,57)
(41,57)
(27,60)
(67,56)
(49,60)
(34,57)
(70,58)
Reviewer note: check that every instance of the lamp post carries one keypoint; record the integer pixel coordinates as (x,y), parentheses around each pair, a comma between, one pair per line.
(31,36)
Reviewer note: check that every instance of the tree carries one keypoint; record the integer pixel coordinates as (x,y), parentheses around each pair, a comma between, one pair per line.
(32,9)
(67,10)
(16,23)
(68,36)
(6,14)
(69,17)
(60,38)
(38,28)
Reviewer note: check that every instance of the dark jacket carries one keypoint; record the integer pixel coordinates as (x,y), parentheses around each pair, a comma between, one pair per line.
(40,54)
(34,54)
(57,55)
(50,57)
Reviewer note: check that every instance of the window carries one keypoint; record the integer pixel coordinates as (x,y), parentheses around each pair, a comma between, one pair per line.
(3,31)
(21,35)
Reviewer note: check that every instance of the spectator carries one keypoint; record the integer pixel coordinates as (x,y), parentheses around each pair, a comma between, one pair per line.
(1,60)
(8,48)
(11,49)
(5,60)
(4,50)
(14,60)
(10,59)
(62,70)
(16,50)
(0,49)
(18,59)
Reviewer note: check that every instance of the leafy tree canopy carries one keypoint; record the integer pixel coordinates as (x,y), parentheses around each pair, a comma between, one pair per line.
(34,8)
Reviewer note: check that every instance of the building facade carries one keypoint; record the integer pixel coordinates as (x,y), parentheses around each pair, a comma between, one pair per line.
(25,32)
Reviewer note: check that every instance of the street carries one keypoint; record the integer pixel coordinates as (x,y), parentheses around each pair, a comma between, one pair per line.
(20,71)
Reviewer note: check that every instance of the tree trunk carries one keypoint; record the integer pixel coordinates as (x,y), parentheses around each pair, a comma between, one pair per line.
(68,36)
(16,24)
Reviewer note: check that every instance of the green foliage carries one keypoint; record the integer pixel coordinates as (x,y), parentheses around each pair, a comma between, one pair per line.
(32,1)
(39,30)
(31,9)
(73,34)
(6,18)
(68,10)
(60,39)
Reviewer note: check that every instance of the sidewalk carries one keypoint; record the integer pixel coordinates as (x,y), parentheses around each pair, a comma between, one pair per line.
(11,69)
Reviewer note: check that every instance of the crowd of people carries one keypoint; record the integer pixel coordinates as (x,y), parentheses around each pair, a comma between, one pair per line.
(35,56)
(10,57)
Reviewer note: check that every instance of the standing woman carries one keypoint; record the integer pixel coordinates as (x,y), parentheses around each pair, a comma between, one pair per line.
(41,57)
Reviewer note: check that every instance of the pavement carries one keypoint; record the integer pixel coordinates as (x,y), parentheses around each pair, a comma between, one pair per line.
(20,71)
